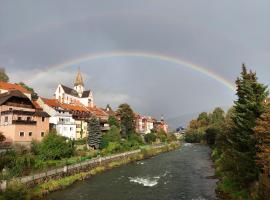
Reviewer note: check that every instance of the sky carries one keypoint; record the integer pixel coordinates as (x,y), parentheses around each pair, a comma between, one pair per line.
(140,52)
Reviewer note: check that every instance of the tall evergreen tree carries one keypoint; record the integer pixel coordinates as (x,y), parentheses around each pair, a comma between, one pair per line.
(3,76)
(240,152)
(94,133)
(127,119)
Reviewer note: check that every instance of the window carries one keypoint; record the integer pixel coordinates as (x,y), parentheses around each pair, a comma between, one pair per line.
(19,118)
(71,128)
(6,119)
(10,108)
(42,134)
(28,119)
(43,119)
(30,134)
(21,134)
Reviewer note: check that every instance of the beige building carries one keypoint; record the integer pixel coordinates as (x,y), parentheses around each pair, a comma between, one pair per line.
(20,120)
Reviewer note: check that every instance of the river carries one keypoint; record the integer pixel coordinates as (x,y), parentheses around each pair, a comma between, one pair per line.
(180,174)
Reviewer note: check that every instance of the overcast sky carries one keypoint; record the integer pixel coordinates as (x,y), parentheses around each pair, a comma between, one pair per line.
(219,35)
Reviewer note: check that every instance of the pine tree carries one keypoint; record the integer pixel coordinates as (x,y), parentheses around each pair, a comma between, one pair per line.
(94,133)
(240,152)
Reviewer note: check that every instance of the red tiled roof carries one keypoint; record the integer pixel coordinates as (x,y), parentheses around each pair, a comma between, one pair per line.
(51,102)
(37,106)
(98,111)
(11,86)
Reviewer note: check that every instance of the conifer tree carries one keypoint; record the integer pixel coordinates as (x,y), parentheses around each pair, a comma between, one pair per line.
(94,133)
(240,152)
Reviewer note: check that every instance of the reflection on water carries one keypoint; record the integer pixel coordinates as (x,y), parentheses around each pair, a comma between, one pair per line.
(181,174)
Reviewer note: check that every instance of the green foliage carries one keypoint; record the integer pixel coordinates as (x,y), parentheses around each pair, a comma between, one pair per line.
(210,135)
(55,147)
(194,137)
(150,138)
(113,135)
(127,120)
(16,191)
(94,131)
(34,95)
(112,121)
(80,141)
(162,136)
(241,151)
(3,76)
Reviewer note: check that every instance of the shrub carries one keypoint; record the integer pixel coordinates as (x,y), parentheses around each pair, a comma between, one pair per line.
(162,136)
(150,137)
(193,137)
(113,135)
(55,147)
(16,191)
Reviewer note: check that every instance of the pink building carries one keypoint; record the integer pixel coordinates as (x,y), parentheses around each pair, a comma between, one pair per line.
(20,120)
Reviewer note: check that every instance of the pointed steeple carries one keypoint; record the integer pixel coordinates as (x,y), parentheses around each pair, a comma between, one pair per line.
(79,79)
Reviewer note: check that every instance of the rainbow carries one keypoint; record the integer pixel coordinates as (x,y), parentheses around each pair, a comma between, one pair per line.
(156,56)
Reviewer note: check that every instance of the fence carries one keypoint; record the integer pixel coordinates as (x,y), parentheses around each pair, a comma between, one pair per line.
(74,167)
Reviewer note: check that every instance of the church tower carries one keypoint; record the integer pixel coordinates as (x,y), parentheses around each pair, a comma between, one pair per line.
(78,84)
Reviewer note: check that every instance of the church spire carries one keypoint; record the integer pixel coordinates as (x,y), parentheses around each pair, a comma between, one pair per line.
(79,79)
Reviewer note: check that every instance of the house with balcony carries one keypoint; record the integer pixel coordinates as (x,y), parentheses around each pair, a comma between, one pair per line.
(20,120)
(61,120)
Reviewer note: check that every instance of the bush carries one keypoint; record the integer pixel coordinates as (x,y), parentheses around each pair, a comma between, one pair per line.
(150,137)
(162,136)
(55,147)
(80,141)
(16,191)
(210,136)
(113,135)
(172,138)
(193,137)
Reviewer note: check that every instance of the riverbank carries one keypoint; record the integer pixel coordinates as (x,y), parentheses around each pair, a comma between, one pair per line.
(180,174)
(63,180)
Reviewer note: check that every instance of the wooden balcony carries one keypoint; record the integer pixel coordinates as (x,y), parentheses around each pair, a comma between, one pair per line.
(24,122)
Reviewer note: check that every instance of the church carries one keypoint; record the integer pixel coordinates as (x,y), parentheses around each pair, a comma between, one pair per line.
(75,95)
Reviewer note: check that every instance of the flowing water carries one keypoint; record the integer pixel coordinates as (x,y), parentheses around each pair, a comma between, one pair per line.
(181,174)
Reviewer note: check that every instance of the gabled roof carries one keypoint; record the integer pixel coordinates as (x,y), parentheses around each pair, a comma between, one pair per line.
(13,93)
(98,112)
(86,94)
(74,93)
(13,86)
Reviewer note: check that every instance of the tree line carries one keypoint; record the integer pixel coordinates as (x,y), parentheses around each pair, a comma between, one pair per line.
(240,139)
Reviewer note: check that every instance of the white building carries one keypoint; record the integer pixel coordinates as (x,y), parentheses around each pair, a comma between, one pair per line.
(61,120)
(68,95)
